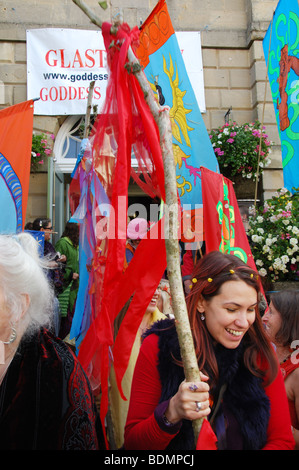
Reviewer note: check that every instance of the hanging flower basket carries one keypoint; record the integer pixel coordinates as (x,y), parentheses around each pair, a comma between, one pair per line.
(237,150)
(42,146)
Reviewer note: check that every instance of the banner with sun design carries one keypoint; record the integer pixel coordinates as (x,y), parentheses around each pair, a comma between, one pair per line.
(16,125)
(160,55)
(281,48)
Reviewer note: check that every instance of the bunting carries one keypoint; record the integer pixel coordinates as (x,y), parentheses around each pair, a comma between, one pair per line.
(16,126)
(281,53)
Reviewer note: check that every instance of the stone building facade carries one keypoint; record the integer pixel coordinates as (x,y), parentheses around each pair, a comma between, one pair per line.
(233,65)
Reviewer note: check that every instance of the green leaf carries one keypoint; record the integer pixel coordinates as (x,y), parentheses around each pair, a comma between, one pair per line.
(103,5)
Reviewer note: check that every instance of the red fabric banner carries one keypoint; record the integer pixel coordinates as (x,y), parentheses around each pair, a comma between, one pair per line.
(223,225)
(127,122)
(16,125)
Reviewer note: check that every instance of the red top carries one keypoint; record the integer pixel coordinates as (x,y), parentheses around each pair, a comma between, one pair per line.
(142,430)
(287,368)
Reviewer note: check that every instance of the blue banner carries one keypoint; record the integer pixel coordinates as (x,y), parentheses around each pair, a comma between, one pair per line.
(281,46)
(165,69)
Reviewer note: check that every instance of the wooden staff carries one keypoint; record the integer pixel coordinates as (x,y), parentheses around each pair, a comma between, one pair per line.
(161,116)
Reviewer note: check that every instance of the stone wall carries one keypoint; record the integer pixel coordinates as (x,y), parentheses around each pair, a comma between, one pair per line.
(234,67)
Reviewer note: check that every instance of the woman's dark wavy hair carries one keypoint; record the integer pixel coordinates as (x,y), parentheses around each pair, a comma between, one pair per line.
(216,266)
(71,231)
(287,304)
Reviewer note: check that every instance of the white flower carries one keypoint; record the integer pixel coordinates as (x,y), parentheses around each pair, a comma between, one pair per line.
(262,272)
(285,259)
(295,230)
(293,241)
(255,238)
(266,249)
(259,262)
(226,131)
(260,230)
(269,241)
(293,261)
(259,219)
(285,222)
(277,263)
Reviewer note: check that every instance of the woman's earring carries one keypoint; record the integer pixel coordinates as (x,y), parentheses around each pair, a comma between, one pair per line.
(12,338)
(202,316)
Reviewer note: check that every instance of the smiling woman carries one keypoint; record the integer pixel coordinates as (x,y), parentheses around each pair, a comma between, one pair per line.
(230,314)
(241,392)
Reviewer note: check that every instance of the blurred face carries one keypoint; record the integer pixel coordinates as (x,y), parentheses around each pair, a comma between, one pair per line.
(272,322)
(47,231)
(231,313)
(153,303)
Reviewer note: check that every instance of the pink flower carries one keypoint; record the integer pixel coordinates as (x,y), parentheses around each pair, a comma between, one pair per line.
(233,134)
(48,151)
(230,141)
(286,213)
(41,162)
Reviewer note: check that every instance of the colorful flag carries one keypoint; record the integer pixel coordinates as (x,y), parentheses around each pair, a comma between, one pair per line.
(224,229)
(99,202)
(16,125)
(281,53)
(160,55)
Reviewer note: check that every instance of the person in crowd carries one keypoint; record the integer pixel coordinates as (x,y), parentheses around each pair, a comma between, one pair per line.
(46,401)
(56,263)
(68,245)
(281,321)
(55,276)
(241,390)
(119,407)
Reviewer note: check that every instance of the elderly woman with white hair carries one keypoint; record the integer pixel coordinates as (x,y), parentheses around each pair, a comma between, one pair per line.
(45,398)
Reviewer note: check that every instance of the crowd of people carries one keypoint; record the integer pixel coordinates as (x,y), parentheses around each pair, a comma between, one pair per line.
(248,359)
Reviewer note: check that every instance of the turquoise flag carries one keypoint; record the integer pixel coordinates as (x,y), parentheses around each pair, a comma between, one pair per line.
(281,46)
(160,55)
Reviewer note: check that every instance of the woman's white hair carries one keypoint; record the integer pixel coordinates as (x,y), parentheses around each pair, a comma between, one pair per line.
(23,271)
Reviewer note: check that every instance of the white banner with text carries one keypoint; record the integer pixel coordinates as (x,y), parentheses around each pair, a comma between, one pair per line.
(61,63)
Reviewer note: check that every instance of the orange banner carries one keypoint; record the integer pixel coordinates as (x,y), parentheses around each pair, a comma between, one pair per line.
(155,31)
(16,125)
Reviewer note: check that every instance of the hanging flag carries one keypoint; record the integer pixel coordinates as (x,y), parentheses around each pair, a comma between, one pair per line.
(99,202)
(160,55)
(223,223)
(16,126)
(281,54)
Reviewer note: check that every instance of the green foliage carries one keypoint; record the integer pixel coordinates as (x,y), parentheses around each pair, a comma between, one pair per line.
(274,235)
(237,149)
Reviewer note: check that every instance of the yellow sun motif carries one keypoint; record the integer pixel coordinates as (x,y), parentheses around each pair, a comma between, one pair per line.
(177,112)
(178,155)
